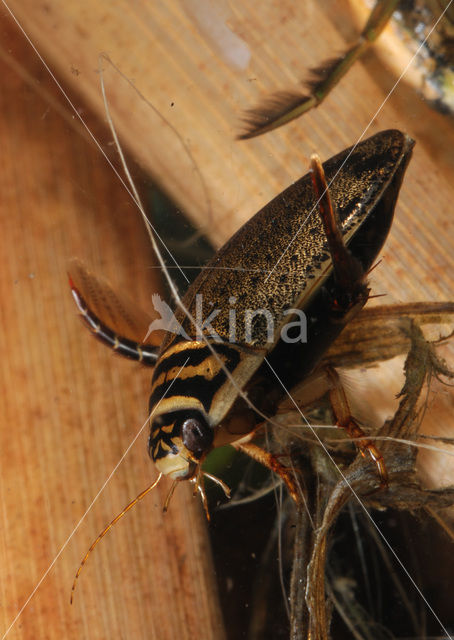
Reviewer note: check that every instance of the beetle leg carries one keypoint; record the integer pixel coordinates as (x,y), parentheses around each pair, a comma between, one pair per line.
(344,419)
(143,353)
(352,290)
(326,381)
(285,106)
(271,462)
(381,333)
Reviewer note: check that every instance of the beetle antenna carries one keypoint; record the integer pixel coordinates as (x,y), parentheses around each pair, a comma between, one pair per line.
(106,529)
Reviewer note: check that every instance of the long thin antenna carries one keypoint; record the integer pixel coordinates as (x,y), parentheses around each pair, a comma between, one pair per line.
(106,529)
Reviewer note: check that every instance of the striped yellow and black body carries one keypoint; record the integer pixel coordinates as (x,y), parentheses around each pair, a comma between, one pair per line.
(280,261)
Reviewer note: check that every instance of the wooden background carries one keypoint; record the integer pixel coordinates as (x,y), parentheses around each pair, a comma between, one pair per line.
(70,409)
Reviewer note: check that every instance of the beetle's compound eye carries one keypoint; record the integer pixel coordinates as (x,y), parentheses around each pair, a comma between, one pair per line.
(178,440)
(197,436)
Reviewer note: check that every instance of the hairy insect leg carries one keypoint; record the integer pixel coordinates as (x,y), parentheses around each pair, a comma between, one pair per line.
(284,107)
(344,419)
(144,353)
(326,382)
(270,461)
(380,333)
(328,74)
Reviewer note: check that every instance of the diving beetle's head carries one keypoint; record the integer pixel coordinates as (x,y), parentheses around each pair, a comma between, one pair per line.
(179,440)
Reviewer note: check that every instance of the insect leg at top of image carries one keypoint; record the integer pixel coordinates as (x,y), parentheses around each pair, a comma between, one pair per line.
(284,106)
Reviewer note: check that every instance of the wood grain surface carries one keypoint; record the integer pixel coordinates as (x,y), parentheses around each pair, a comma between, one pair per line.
(71,409)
